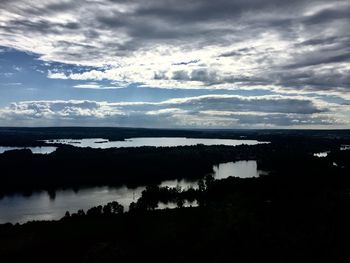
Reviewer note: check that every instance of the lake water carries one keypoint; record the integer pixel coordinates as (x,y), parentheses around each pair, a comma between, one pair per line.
(172,205)
(35,150)
(321,154)
(42,206)
(132,142)
(344,147)
(150,141)
(241,169)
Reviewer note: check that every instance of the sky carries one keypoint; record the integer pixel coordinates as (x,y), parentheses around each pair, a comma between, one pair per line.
(175,63)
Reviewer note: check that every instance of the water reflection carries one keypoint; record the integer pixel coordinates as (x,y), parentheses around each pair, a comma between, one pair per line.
(35,150)
(344,147)
(321,154)
(172,205)
(53,205)
(40,206)
(150,141)
(241,169)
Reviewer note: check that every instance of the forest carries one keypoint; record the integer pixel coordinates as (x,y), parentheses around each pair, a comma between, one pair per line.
(73,167)
(299,211)
(279,218)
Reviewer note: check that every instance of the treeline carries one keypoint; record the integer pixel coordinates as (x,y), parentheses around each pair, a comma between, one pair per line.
(111,208)
(150,199)
(312,177)
(278,218)
(71,167)
(10,136)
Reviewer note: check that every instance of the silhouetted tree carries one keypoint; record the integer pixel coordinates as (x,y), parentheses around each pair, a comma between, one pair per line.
(81,212)
(132,207)
(180,202)
(95,211)
(113,208)
(67,214)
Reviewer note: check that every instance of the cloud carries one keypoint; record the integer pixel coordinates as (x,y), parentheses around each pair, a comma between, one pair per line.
(225,111)
(52,109)
(225,44)
(274,104)
(87,86)
(297,50)
(94,85)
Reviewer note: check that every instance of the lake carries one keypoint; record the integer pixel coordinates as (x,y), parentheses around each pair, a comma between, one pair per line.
(42,206)
(35,150)
(150,141)
(241,169)
(321,154)
(99,143)
(344,147)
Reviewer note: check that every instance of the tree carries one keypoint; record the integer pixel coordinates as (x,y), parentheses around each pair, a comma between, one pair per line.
(95,211)
(81,212)
(67,214)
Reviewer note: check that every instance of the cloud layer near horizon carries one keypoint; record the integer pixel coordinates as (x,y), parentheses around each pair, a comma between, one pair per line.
(222,111)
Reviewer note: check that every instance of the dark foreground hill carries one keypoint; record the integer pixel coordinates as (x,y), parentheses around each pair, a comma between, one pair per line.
(275,219)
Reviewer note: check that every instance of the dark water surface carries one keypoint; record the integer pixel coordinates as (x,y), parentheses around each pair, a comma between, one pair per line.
(42,206)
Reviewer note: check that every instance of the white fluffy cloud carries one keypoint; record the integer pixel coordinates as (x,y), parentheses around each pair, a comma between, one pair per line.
(95,85)
(273,44)
(204,111)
